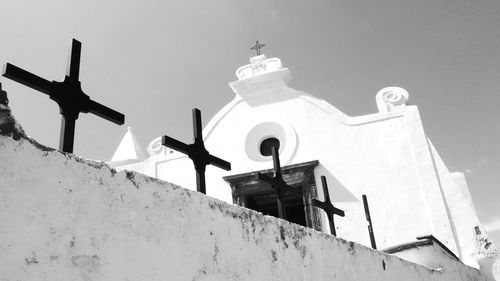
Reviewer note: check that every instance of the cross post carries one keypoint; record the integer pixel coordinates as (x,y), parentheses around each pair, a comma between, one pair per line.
(328,207)
(277,183)
(197,152)
(68,95)
(370,226)
(257,47)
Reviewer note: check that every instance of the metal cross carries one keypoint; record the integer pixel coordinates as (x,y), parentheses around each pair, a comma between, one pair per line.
(370,226)
(277,183)
(68,95)
(257,47)
(197,152)
(328,207)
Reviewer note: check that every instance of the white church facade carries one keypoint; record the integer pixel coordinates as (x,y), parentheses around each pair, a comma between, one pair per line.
(385,156)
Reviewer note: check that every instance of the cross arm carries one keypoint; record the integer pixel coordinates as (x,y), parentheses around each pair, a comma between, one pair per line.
(220,163)
(106,112)
(197,130)
(338,212)
(328,208)
(325,189)
(27,78)
(276,162)
(74,66)
(175,144)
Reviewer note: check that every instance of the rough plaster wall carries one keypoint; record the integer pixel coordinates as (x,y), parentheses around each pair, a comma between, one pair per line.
(64,218)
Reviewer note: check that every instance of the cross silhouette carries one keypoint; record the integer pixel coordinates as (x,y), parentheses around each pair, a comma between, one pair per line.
(257,47)
(197,152)
(328,207)
(68,95)
(277,183)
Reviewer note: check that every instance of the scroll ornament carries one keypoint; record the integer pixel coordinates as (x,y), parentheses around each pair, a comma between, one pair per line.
(391,98)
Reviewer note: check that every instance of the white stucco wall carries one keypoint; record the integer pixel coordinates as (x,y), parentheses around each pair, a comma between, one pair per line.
(64,218)
(385,155)
(373,155)
(474,243)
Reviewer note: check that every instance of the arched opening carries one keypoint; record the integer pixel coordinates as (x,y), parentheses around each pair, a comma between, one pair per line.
(267,145)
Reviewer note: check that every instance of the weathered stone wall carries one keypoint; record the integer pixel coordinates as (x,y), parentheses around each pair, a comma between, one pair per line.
(65,218)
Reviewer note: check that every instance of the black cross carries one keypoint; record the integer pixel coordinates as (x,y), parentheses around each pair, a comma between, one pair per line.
(277,183)
(328,207)
(370,225)
(197,152)
(68,95)
(257,47)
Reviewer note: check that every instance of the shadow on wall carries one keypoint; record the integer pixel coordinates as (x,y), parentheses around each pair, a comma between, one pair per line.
(338,192)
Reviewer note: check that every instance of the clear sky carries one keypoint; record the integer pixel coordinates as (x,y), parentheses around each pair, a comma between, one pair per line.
(156,60)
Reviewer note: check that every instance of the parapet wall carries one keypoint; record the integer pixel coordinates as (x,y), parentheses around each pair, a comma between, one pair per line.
(65,218)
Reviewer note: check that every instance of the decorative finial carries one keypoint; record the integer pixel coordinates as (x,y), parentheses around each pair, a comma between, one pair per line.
(257,47)
(391,98)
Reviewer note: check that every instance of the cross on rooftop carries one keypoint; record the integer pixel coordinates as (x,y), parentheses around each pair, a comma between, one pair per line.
(68,95)
(257,47)
(277,183)
(328,207)
(197,152)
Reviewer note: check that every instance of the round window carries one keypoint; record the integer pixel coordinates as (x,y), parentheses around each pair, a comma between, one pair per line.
(262,137)
(267,145)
